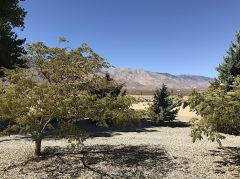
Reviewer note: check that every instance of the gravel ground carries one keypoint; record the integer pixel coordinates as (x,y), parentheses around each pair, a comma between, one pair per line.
(152,152)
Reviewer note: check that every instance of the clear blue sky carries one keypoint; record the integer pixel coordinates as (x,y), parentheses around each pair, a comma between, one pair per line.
(174,36)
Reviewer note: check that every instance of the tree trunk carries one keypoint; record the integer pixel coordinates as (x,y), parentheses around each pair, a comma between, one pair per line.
(38,143)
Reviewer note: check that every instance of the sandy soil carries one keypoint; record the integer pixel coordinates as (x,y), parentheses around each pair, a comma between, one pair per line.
(147,152)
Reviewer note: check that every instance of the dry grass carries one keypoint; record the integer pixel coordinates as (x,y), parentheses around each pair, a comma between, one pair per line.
(145,100)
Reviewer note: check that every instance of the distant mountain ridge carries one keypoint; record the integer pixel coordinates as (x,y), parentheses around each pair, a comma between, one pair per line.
(140,79)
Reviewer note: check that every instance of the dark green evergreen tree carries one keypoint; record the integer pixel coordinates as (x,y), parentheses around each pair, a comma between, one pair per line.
(107,86)
(230,68)
(11,48)
(163,108)
(219,105)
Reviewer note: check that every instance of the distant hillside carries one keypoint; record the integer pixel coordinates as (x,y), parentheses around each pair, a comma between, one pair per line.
(139,79)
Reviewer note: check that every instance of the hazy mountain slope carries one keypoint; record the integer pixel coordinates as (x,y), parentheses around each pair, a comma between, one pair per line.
(145,80)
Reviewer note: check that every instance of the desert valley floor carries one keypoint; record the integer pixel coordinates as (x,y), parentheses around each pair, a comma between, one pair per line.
(147,152)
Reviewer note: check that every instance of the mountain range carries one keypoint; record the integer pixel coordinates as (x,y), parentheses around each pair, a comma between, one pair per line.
(140,79)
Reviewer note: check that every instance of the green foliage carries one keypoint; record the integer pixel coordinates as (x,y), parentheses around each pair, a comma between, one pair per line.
(164,108)
(219,105)
(113,107)
(11,13)
(56,86)
(115,112)
(59,86)
(11,49)
(107,87)
(230,68)
(219,110)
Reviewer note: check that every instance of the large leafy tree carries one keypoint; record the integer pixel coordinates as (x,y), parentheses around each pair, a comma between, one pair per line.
(55,87)
(11,48)
(56,92)
(219,105)
(164,108)
(219,111)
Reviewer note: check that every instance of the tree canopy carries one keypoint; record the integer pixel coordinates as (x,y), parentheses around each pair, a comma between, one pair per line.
(230,68)
(58,87)
(219,105)
(11,48)
(54,87)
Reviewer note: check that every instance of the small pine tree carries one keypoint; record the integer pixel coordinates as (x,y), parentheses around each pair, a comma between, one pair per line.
(107,86)
(163,108)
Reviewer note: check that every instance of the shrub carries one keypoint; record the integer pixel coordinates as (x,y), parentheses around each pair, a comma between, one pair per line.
(219,111)
(164,107)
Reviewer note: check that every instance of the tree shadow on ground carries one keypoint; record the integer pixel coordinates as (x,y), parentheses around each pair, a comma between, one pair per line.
(230,160)
(145,125)
(175,124)
(16,138)
(97,131)
(100,161)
